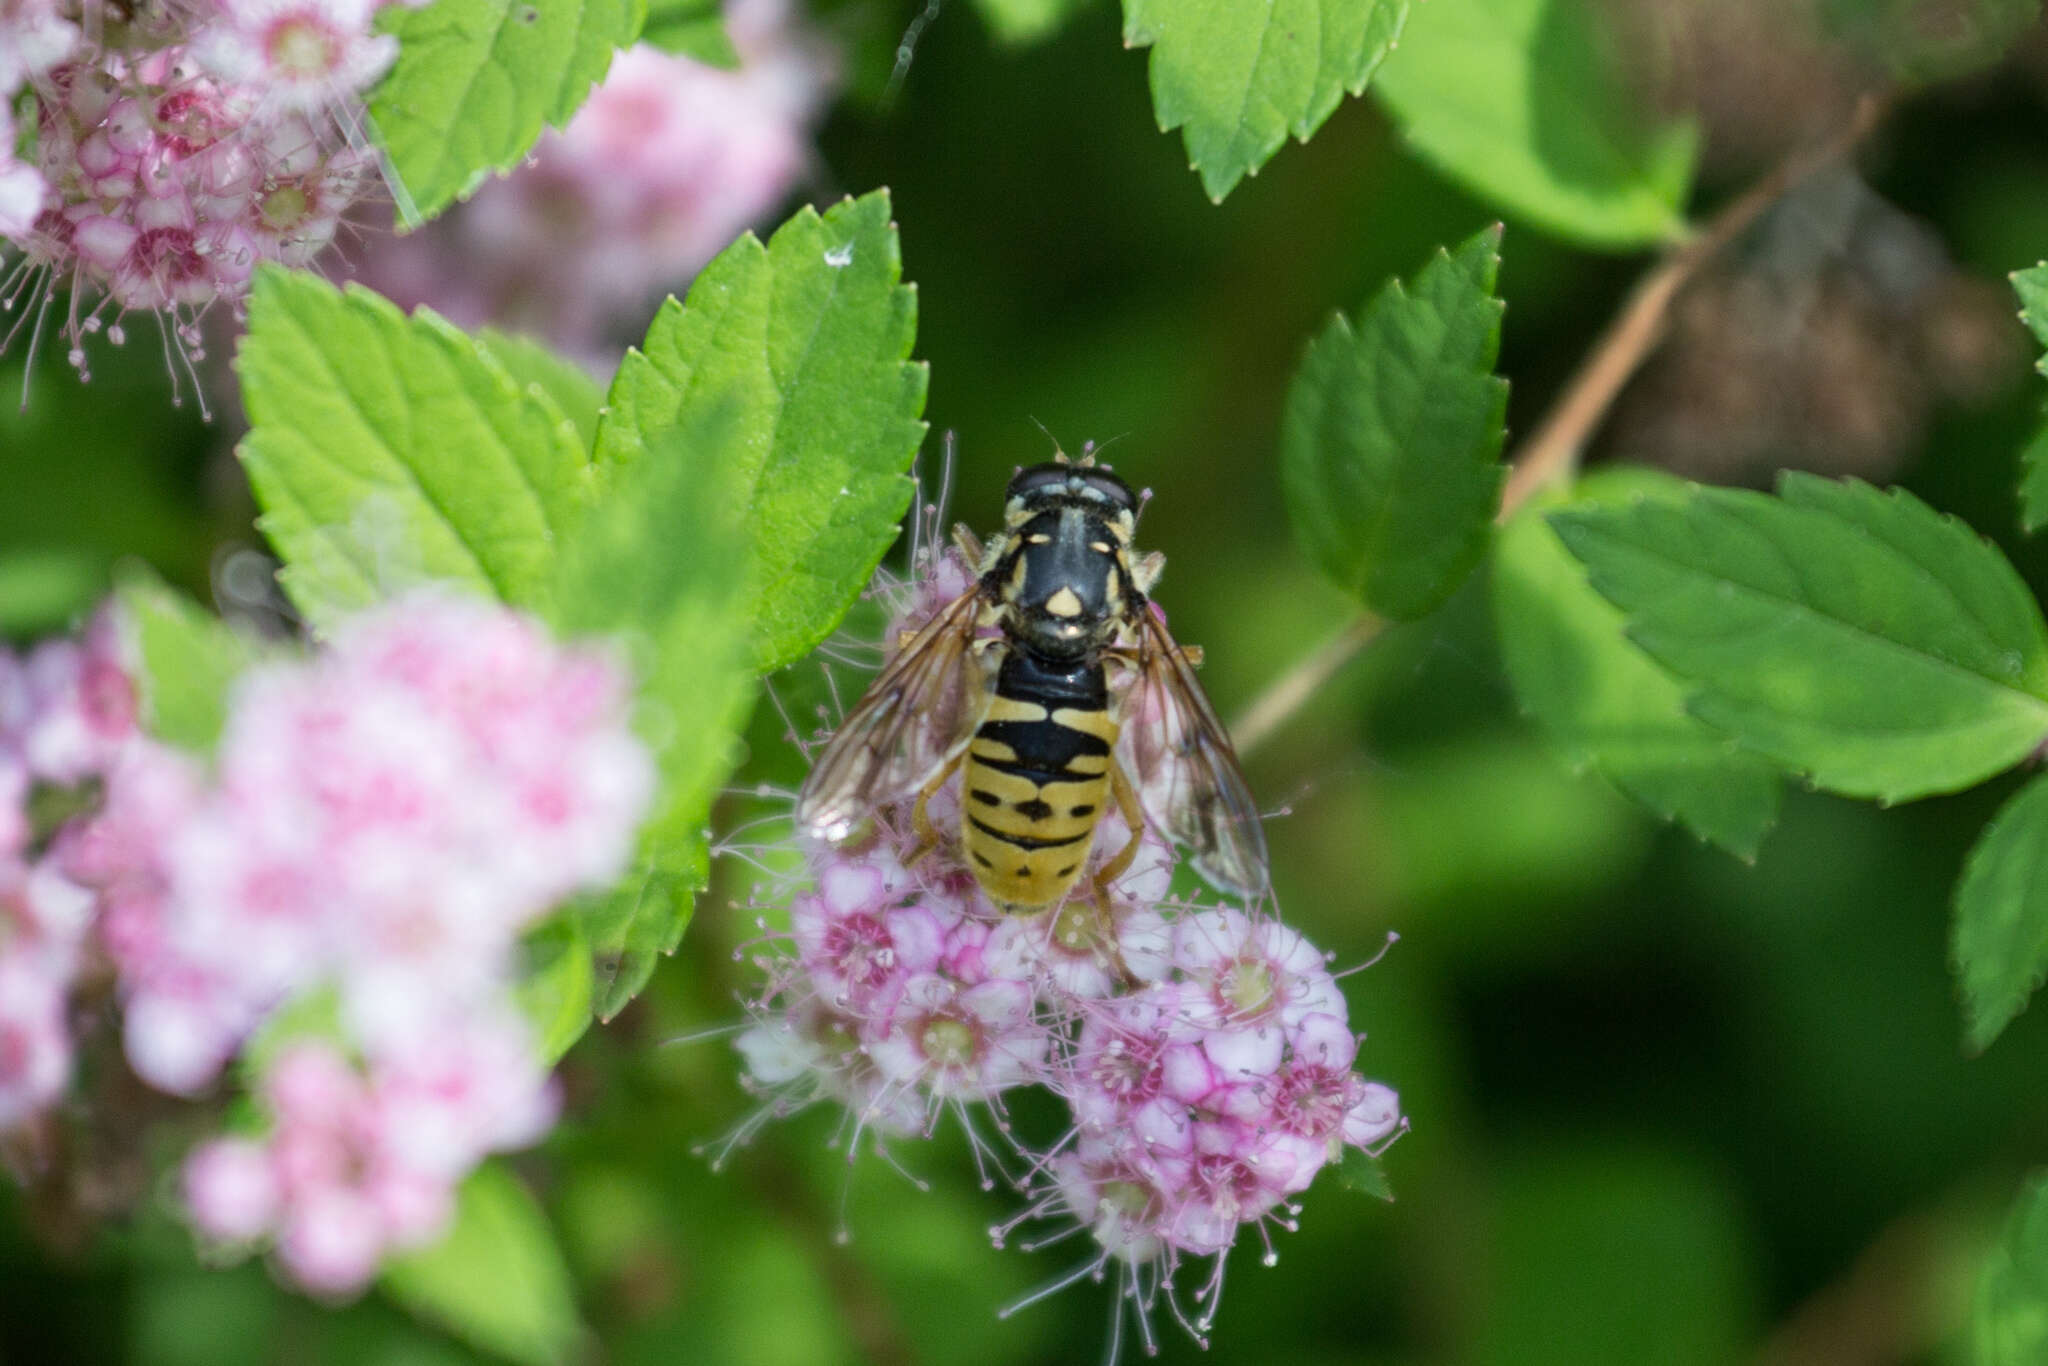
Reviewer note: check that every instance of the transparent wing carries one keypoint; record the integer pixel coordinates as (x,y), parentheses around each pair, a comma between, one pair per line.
(1185,770)
(902,729)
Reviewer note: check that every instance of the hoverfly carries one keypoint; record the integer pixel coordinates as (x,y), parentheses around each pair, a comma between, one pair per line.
(1053,686)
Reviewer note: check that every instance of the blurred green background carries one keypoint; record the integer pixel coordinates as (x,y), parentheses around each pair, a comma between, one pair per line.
(1667,1107)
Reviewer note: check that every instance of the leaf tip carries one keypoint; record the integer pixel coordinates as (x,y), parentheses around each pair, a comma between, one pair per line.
(1981,1026)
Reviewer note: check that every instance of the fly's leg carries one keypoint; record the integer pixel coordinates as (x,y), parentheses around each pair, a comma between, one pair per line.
(1134,818)
(920,822)
(1105,922)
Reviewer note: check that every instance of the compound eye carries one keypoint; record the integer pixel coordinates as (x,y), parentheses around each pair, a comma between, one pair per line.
(1112,488)
(1036,477)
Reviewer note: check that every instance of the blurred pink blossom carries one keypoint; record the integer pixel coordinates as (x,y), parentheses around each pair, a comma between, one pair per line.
(668,161)
(301,55)
(362,1159)
(381,821)
(387,817)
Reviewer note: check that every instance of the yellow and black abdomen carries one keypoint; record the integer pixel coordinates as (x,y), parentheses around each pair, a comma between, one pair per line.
(1036,779)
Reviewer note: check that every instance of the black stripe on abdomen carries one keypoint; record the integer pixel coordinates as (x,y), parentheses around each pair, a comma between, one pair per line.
(1044,745)
(1026,841)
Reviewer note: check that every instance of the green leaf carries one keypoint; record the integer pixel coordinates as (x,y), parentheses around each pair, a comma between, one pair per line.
(46,589)
(1856,636)
(1360,1171)
(660,565)
(1520,101)
(807,340)
(189,659)
(476,79)
(558,985)
(312,1014)
(2001,928)
(633,926)
(1017,23)
(690,28)
(1390,447)
(1238,77)
(2032,287)
(497,1280)
(387,450)
(1606,704)
(1923,41)
(2034,480)
(531,363)
(2009,1318)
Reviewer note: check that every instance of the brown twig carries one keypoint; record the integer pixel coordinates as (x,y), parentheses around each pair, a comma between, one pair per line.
(1560,438)
(1890,1305)
(1298,684)
(1554,448)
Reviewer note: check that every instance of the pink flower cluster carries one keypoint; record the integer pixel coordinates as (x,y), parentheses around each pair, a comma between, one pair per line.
(667,162)
(1203,1051)
(384,819)
(356,1164)
(177,144)
(67,714)
(347,884)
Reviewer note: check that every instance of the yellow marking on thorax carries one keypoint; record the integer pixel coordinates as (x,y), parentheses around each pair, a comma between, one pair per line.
(1064,603)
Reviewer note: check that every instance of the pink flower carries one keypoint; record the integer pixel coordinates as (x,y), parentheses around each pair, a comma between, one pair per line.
(813,1053)
(43,915)
(1240,1175)
(471,1087)
(1118,1204)
(382,821)
(1120,1062)
(1374,1116)
(1253,970)
(33,38)
(363,1158)
(373,828)
(179,1030)
(231,1190)
(666,163)
(22,189)
(300,55)
(77,704)
(174,153)
(14,785)
(857,952)
(970,1042)
(35,1046)
(332,1241)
